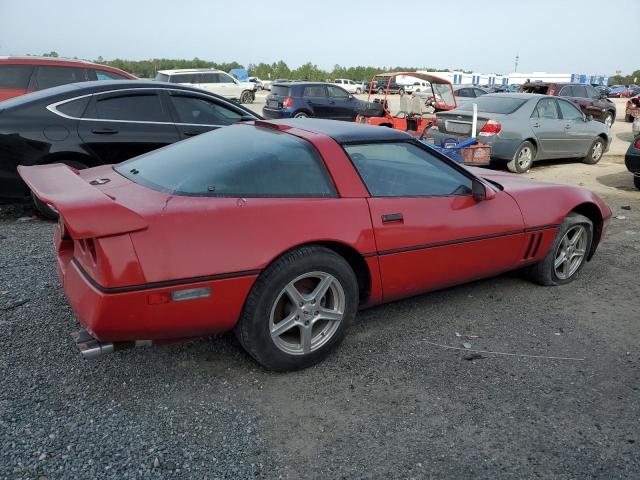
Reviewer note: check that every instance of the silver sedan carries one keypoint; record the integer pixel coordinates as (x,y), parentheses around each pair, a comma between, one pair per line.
(522,128)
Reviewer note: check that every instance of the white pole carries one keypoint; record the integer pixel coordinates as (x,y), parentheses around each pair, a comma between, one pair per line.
(474,123)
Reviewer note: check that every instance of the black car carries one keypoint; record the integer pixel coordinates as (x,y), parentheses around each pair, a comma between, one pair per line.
(632,160)
(94,123)
(311,99)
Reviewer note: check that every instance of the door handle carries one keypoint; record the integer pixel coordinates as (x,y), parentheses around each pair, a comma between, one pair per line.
(392,217)
(536,125)
(331,102)
(104,131)
(191,133)
(567,127)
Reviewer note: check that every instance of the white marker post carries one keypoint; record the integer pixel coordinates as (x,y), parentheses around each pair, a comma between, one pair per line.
(474,122)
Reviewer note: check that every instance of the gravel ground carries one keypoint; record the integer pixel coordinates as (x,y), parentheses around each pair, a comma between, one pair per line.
(388,404)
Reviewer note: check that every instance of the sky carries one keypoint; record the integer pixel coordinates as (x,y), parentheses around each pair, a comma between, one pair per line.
(560,36)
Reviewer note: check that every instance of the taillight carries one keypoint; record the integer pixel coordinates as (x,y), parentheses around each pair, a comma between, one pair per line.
(637,143)
(288,102)
(490,128)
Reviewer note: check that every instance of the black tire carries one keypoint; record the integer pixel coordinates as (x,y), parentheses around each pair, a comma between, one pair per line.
(521,162)
(253,329)
(301,115)
(43,209)
(608,119)
(544,272)
(401,91)
(636,181)
(380,91)
(596,151)
(247,97)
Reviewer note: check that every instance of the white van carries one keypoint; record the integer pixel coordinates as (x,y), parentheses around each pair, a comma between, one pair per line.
(215,81)
(349,85)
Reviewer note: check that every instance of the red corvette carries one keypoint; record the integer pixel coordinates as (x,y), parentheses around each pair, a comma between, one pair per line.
(282,230)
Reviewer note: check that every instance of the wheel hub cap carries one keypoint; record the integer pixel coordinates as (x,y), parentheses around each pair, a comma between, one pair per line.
(570,252)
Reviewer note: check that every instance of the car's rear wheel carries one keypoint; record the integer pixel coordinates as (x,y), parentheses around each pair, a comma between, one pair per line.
(301,115)
(523,158)
(595,152)
(247,97)
(567,255)
(608,119)
(380,91)
(299,309)
(358,90)
(45,210)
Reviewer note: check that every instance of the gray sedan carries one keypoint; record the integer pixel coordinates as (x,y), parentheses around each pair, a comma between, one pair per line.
(522,128)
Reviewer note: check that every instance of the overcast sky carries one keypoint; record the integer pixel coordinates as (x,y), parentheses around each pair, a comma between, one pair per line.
(564,36)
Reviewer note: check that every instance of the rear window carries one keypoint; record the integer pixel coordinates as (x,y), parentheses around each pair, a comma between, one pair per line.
(162,77)
(235,161)
(541,89)
(15,76)
(280,90)
(497,104)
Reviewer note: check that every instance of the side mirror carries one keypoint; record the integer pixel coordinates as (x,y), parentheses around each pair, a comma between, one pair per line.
(350,97)
(588,118)
(480,191)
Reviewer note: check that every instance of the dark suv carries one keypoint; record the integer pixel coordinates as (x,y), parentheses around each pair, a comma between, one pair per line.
(310,99)
(590,101)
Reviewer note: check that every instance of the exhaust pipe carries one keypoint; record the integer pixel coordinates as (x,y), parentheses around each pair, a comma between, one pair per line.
(92,348)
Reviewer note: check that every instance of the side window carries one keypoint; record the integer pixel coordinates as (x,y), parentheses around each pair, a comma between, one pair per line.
(208,78)
(183,78)
(142,108)
(478,92)
(405,170)
(546,108)
(463,92)
(591,92)
(224,78)
(50,76)
(74,108)
(15,76)
(566,91)
(105,75)
(315,91)
(569,111)
(579,91)
(203,112)
(337,92)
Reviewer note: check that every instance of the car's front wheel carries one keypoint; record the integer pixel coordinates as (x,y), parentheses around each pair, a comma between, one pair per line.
(523,158)
(608,119)
(567,255)
(301,115)
(358,90)
(595,152)
(299,309)
(247,97)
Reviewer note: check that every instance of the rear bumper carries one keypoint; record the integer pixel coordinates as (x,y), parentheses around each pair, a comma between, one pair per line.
(275,113)
(126,315)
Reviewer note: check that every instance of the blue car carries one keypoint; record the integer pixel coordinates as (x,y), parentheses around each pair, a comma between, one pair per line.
(311,99)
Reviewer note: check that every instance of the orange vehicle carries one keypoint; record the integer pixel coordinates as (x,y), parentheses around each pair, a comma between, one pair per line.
(416,110)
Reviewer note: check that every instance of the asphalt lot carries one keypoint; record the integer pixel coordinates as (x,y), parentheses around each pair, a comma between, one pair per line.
(389,403)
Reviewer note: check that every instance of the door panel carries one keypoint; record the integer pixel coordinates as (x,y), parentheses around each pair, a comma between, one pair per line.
(442,241)
(117,127)
(548,129)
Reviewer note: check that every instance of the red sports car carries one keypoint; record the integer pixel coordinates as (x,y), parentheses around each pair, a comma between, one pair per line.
(282,230)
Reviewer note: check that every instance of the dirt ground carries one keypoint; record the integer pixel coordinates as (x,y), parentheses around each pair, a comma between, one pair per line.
(401,398)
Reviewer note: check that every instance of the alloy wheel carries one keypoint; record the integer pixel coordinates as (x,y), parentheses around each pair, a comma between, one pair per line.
(608,121)
(596,151)
(307,313)
(570,252)
(525,158)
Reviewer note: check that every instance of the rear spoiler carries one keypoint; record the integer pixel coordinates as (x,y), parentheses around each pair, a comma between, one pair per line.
(87,212)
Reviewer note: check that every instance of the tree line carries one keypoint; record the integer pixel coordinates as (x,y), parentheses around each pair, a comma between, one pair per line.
(265,71)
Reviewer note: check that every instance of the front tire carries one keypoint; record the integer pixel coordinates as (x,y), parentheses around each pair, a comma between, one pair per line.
(301,115)
(595,152)
(247,97)
(299,309)
(358,90)
(523,158)
(608,119)
(567,254)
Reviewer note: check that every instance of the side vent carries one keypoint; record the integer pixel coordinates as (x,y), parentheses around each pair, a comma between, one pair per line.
(533,245)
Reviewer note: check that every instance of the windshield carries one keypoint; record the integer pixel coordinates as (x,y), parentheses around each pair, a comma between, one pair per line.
(497,104)
(444,96)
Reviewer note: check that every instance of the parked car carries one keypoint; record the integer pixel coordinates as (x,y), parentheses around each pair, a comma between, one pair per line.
(258,83)
(631,91)
(632,159)
(310,99)
(466,93)
(632,108)
(20,75)
(181,245)
(616,91)
(522,128)
(590,101)
(215,81)
(349,85)
(102,122)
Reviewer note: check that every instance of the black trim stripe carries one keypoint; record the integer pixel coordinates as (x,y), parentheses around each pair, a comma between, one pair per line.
(167,283)
(464,240)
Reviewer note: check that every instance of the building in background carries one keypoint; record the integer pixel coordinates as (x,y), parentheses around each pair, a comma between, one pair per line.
(516,78)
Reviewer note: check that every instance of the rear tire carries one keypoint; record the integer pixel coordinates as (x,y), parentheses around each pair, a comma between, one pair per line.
(358,90)
(523,158)
(628,118)
(247,97)
(569,250)
(283,325)
(595,152)
(301,115)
